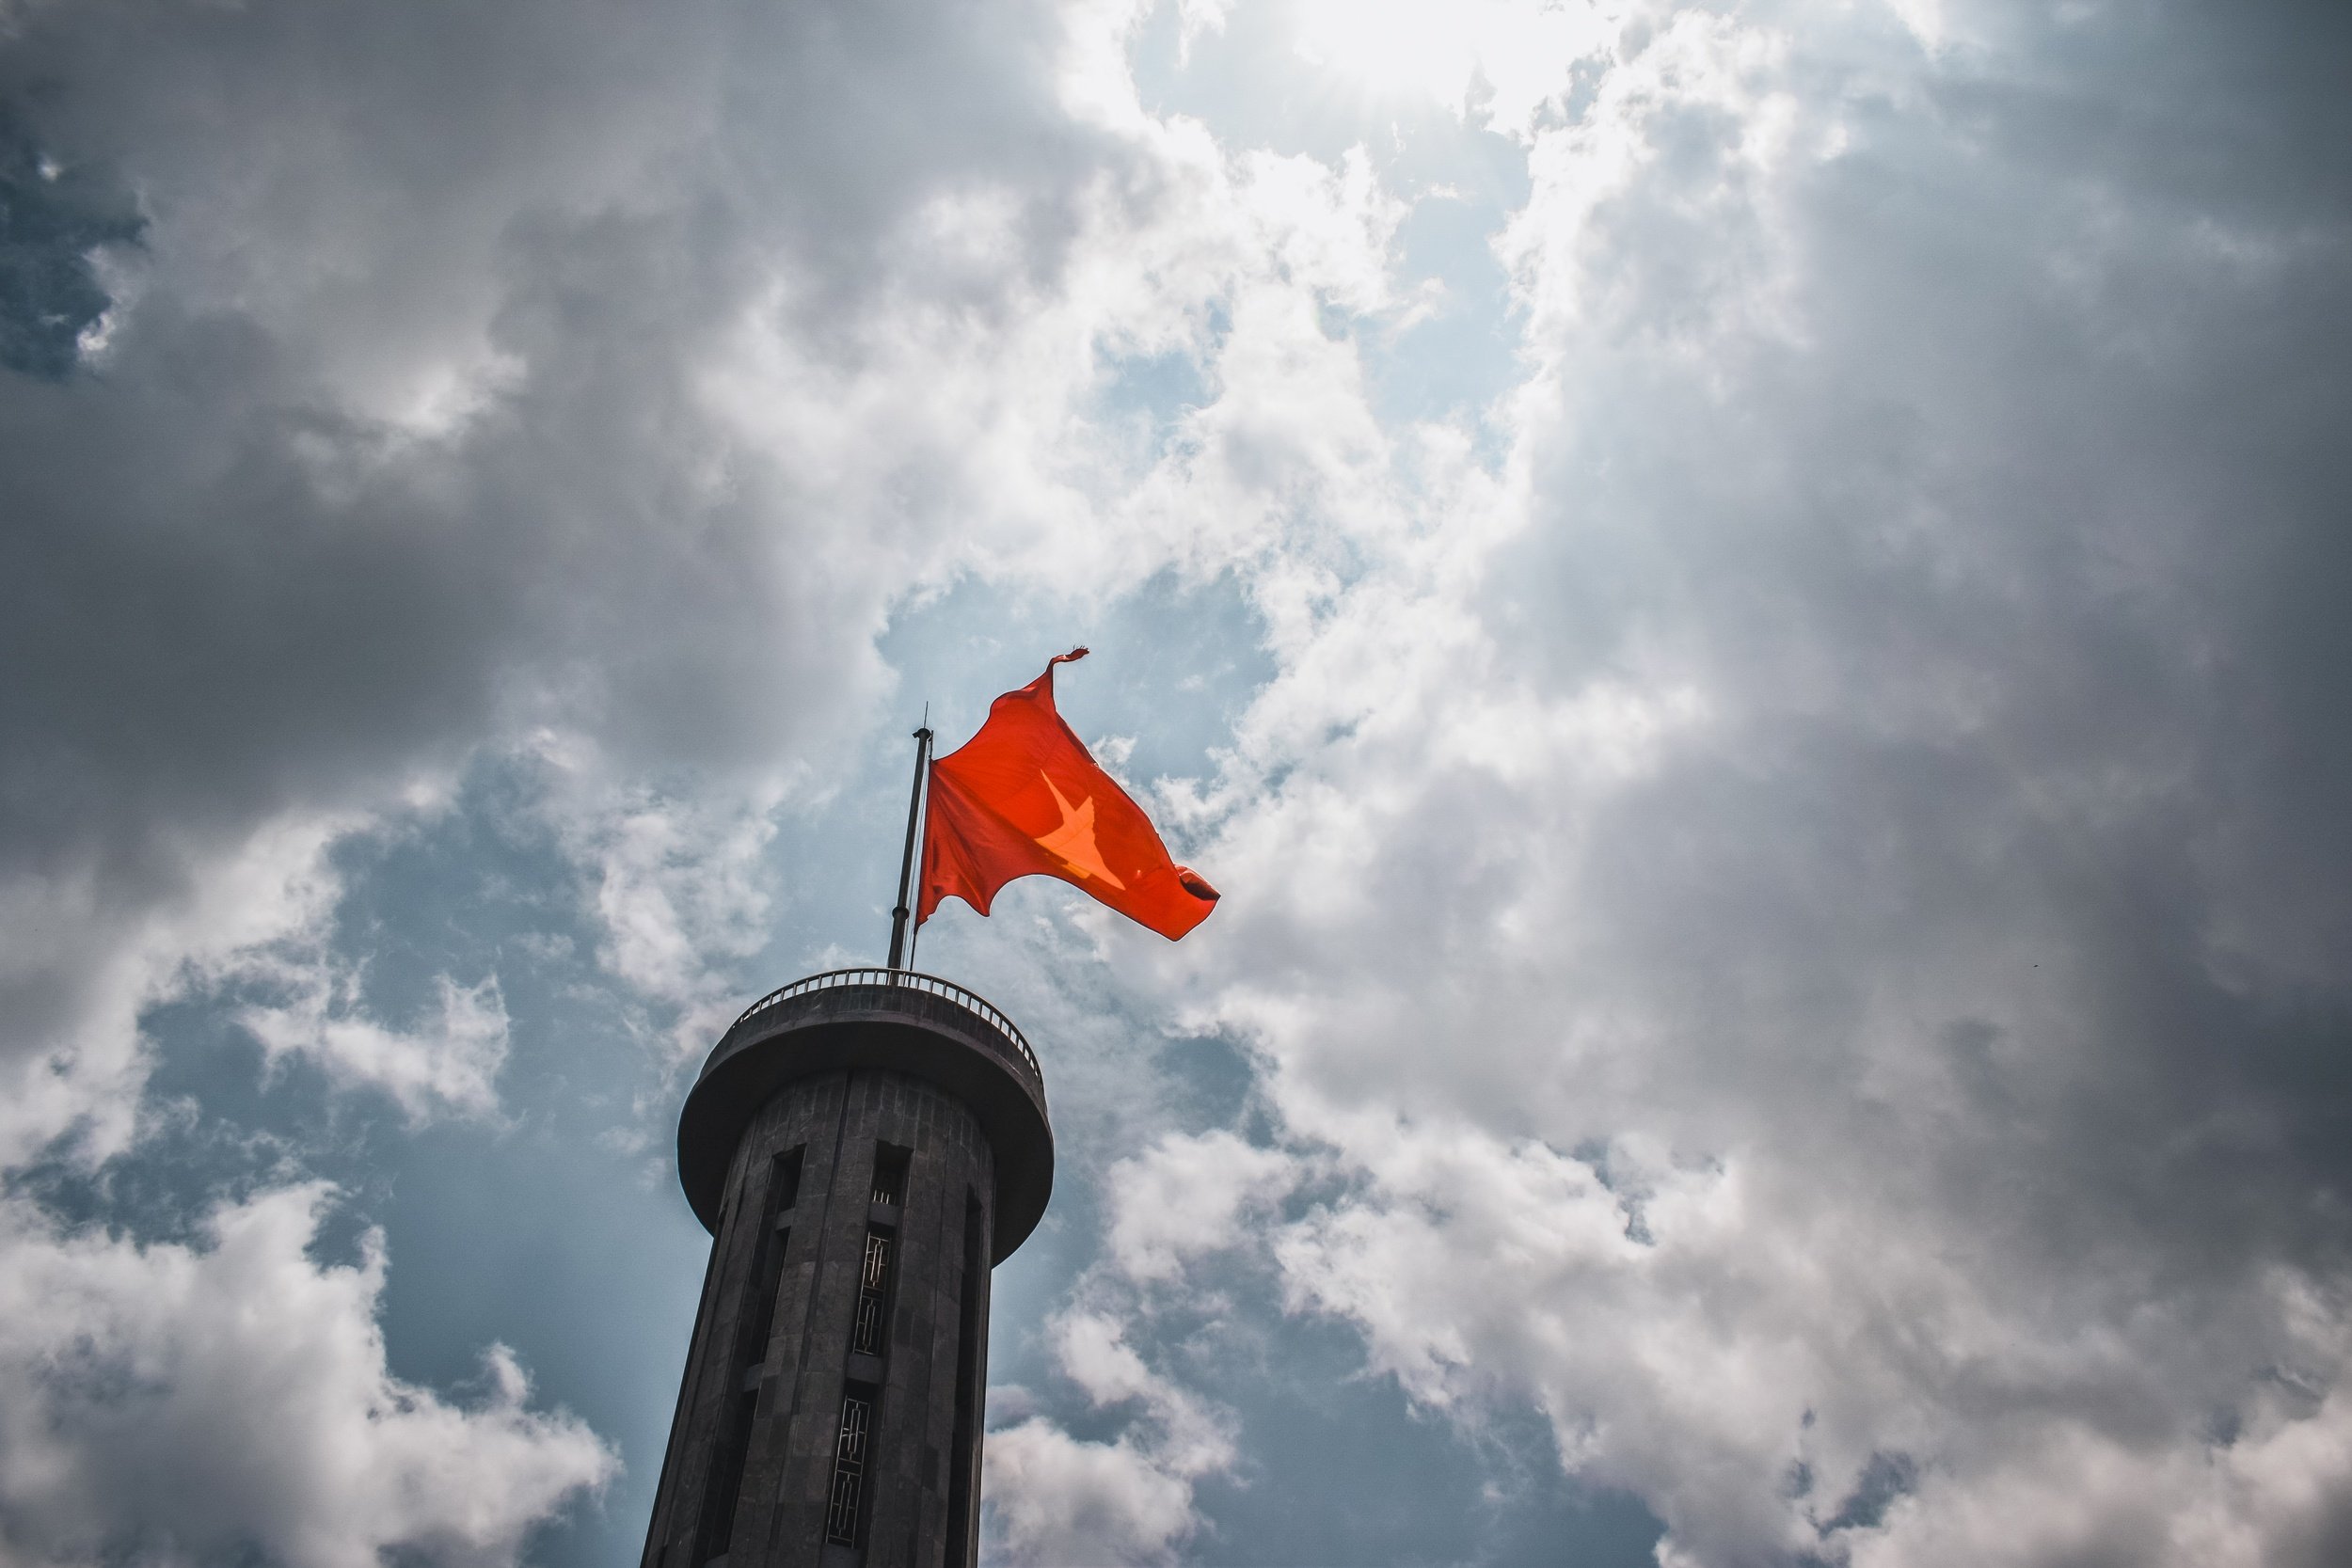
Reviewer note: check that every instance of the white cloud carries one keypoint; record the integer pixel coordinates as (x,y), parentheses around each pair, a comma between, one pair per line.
(557,412)
(1055,1498)
(1051,1498)
(1508,59)
(83,963)
(674,883)
(1129,1497)
(191,1401)
(1738,899)
(1187,1196)
(2274,1494)
(1799,907)
(451,1064)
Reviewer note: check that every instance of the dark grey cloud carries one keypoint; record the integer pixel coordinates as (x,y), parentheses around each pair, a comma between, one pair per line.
(2015,565)
(400,443)
(1890,806)
(404,434)
(548,188)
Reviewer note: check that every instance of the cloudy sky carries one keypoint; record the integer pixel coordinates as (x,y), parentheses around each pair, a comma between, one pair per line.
(1748,603)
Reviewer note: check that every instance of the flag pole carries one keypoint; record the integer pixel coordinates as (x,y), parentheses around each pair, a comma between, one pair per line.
(914,823)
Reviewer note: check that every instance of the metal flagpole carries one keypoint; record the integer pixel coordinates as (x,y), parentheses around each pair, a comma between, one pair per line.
(922,766)
(914,822)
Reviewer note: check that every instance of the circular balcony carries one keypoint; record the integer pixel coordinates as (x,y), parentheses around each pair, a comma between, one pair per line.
(884,1019)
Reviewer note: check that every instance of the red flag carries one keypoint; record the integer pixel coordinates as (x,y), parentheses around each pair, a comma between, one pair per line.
(1022,798)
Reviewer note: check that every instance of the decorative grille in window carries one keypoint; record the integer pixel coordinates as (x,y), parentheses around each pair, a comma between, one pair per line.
(868,1329)
(849,1470)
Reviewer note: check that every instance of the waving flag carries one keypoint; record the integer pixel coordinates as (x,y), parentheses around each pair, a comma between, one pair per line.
(1023,798)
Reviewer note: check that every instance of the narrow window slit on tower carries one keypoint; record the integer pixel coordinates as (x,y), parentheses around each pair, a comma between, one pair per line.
(716,1530)
(869,1329)
(843,1505)
(890,1174)
(726,1482)
(958,1550)
(788,1181)
(767,1279)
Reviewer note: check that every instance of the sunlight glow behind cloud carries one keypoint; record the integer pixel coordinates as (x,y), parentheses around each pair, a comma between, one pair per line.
(1503,57)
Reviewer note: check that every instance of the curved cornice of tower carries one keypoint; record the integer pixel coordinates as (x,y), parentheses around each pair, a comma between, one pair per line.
(883,1020)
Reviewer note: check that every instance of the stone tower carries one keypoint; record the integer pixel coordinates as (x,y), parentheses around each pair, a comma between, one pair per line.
(864,1146)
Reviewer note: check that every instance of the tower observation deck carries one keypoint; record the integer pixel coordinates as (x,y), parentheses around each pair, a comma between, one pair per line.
(864,1146)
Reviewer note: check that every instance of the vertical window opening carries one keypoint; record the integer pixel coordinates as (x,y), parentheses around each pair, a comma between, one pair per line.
(767,1280)
(844,1504)
(769,1283)
(726,1481)
(961,1457)
(890,1174)
(715,1531)
(869,1330)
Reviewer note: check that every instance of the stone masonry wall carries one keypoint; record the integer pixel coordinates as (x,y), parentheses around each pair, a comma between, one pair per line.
(795,1376)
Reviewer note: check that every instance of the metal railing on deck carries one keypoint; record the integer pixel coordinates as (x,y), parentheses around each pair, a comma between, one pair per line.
(909,979)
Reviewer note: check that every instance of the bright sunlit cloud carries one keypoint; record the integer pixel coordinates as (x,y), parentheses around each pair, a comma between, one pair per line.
(1390,46)
(1506,55)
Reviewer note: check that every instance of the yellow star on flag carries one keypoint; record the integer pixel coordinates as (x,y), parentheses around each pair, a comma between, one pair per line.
(1073,843)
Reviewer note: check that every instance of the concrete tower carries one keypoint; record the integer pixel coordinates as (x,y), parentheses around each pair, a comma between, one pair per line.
(864,1146)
